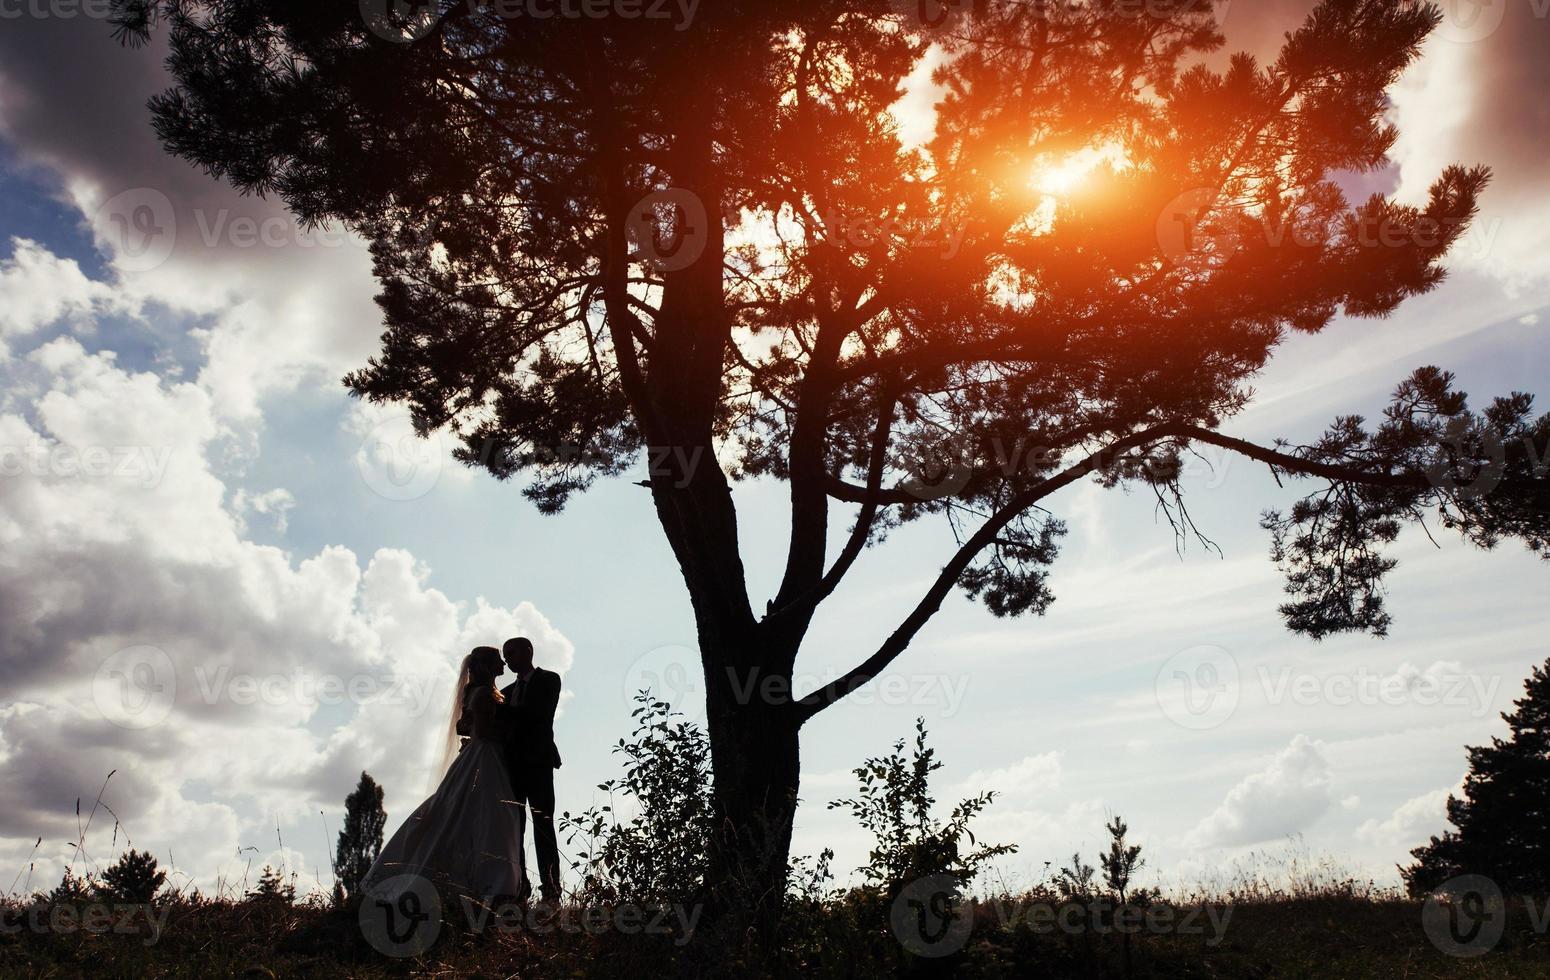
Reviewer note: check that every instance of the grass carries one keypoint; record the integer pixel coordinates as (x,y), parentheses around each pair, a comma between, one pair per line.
(1339,933)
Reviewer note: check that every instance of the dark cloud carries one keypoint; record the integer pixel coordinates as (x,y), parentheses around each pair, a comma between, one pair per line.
(76,101)
(53,760)
(1506,114)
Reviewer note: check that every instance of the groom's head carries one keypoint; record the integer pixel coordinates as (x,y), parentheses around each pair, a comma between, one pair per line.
(518,653)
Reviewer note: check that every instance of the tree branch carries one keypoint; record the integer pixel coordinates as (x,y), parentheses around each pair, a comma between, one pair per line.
(808,471)
(899,640)
(851,494)
(871,499)
(983,351)
(896,643)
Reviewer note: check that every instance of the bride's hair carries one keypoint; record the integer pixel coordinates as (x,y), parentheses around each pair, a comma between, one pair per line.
(480,666)
(476,670)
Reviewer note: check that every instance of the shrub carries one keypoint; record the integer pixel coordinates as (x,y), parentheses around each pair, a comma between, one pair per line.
(895,805)
(71,890)
(651,842)
(133,878)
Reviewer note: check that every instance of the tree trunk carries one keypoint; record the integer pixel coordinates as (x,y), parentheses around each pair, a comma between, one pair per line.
(756,765)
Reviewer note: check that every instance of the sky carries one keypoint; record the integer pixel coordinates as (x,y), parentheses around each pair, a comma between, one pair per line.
(234,588)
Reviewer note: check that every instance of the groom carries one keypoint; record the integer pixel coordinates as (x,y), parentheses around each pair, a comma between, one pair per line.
(531,756)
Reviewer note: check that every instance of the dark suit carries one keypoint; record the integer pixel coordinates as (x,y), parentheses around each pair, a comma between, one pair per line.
(531,759)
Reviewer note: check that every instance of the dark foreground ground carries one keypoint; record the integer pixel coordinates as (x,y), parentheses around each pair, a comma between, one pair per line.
(1322,937)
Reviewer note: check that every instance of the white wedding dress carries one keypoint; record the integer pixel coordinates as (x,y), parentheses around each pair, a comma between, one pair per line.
(466,839)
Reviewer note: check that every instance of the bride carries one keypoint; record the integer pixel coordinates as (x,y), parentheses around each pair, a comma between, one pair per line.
(466,839)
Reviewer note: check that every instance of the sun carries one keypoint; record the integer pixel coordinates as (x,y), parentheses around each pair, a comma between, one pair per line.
(1062,179)
(1082,172)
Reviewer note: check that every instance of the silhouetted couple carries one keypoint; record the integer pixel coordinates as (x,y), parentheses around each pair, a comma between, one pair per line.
(498,765)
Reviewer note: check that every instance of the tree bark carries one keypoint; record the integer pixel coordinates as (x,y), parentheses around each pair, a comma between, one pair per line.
(756,767)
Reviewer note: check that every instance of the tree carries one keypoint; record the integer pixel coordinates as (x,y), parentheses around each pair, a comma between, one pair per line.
(72,889)
(1503,818)
(360,839)
(1119,866)
(273,889)
(1122,861)
(1078,882)
(706,245)
(134,877)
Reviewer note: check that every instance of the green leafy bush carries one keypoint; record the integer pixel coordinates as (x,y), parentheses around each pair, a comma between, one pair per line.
(651,842)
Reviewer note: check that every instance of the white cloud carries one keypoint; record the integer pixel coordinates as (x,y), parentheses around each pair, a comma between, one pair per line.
(115,533)
(1045,833)
(915,112)
(1412,823)
(1284,798)
(147,545)
(280,311)
(275,504)
(277,307)
(1032,777)
(393,460)
(41,289)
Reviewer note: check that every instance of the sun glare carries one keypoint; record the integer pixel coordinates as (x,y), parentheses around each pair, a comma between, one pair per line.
(1075,173)
(1060,180)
